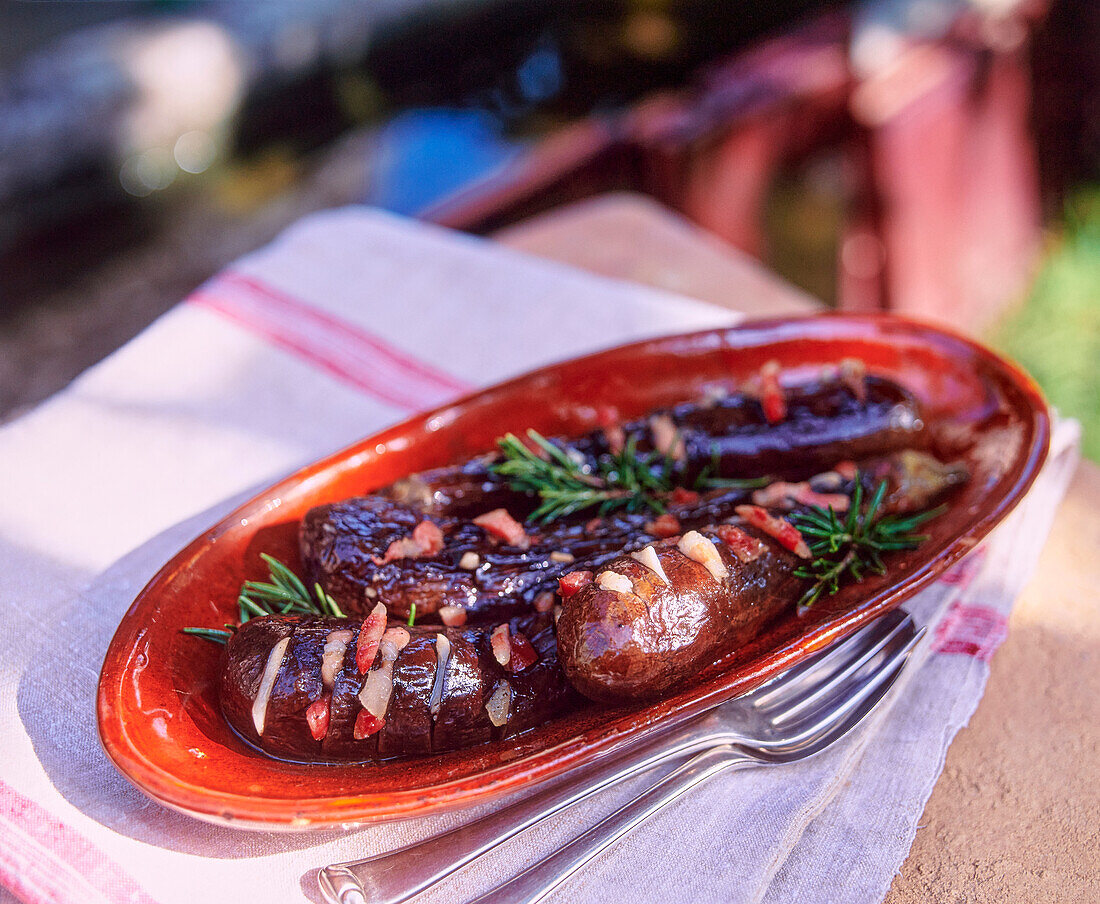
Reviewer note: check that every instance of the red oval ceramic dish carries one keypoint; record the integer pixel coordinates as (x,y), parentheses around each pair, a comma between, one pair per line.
(158,710)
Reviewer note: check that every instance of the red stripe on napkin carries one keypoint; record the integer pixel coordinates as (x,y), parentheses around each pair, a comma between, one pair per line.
(343,349)
(972,630)
(44,861)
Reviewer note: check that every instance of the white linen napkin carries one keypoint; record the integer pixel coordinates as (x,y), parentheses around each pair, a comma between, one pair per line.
(351,320)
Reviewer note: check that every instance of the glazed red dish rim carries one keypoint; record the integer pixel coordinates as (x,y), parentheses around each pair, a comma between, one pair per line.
(151,769)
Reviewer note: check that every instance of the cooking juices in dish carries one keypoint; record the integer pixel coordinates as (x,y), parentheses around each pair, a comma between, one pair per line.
(487,598)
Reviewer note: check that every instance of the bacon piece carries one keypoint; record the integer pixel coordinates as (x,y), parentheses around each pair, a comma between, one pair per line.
(366,725)
(788,495)
(430,538)
(785,533)
(502,525)
(745,546)
(663,526)
(563,558)
(369,635)
(682,496)
(592,524)
(452,616)
(568,584)
(317,716)
(426,540)
(772,399)
(523,654)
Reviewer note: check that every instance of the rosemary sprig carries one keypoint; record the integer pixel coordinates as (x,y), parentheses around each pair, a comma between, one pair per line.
(848,549)
(565,484)
(283,594)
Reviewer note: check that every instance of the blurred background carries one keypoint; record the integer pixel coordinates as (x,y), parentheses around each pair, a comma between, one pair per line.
(933,157)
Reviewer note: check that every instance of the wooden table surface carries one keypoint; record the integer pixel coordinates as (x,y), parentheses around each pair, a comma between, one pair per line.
(1015,816)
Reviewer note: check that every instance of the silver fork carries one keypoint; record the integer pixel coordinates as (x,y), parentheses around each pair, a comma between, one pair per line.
(795,715)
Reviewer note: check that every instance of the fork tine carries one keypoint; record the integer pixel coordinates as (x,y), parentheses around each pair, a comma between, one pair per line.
(807,695)
(819,668)
(841,706)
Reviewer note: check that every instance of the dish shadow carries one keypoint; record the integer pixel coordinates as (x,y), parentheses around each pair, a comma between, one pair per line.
(60,717)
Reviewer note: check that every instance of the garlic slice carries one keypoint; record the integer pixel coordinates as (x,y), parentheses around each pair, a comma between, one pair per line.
(267,684)
(378,686)
(648,557)
(615,582)
(442,660)
(499,705)
(332,657)
(699,549)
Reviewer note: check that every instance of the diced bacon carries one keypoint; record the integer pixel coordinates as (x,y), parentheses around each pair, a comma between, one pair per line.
(648,557)
(745,546)
(501,643)
(452,616)
(702,550)
(544,601)
(366,725)
(666,436)
(317,716)
(615,582)
(682,496)
(523,654)
(564,558)
(592,524)
(332,657)
(375,693)
(788,495)
(267,684)
(503,526)
(616,438)
(785,533)
(846,469)
(568,584)
(772,399)
(499,705)
(430,538)
(369,636)
(663,526)
(426,540)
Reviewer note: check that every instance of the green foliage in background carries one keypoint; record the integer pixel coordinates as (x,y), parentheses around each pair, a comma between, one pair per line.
(1056,334)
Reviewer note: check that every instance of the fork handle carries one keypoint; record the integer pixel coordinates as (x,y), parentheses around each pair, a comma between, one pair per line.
(539,880)
(396,876)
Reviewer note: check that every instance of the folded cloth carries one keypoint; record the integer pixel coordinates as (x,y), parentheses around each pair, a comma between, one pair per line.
(349,321)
